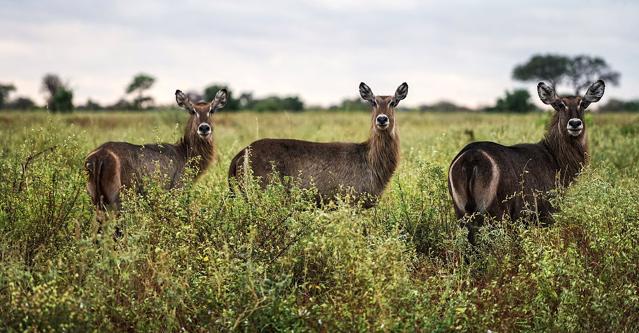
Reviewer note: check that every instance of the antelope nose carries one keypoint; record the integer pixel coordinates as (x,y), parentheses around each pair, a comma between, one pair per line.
(382,119)
(574,123)
(204,128)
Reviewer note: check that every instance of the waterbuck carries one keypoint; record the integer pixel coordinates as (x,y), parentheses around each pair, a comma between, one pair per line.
(485,176)
(361,169)
(114,165)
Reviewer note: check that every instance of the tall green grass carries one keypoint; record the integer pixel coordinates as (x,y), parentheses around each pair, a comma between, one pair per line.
(199,259)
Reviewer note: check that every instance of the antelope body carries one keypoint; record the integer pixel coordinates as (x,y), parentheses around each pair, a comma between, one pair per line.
(484,177)
(114,165)
(362,169)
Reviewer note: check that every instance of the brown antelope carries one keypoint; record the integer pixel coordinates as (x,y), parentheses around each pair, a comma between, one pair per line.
(114,165)
(334,168)
(485,176)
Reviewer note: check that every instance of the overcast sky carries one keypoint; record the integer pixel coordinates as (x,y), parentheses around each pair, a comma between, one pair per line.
(462,51)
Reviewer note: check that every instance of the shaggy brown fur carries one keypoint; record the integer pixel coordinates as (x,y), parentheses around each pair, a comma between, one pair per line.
(114,165)
(361,169)
(485,176)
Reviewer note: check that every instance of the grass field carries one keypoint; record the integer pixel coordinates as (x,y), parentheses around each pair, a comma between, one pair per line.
(194,259)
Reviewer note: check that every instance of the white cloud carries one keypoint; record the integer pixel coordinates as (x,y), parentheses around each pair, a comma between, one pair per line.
(320,50)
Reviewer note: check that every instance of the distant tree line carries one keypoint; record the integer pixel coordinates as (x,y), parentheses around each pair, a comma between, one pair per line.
(576,73)
(59,97)
(614,104)
(246,101)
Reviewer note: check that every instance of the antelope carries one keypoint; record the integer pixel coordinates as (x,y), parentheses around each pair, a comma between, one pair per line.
(115,165)
(334,168)
(484,176)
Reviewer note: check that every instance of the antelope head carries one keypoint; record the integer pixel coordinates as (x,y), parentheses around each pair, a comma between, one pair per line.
(201,113)
(383,112)
(570,110)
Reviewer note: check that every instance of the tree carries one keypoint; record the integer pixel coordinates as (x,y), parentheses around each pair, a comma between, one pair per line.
(354,104)
(578,72)
(139,85)
(91,105)
(51,83)
(62,101)
(22,103)
(246,101)
(547,67)
(443,106)
(60,95)
(121,104)
(516,101)
(232,104)
(292,103)
(615,104)
(276,103)
(267,104)
(583,70)
(5,90)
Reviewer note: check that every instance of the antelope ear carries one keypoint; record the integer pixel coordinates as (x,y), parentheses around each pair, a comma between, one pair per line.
(595,92)
(221,97)
(183,101)
(366,93)
(400,94)
(546,93)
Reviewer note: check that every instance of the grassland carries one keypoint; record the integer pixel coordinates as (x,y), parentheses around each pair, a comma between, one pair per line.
(195,259)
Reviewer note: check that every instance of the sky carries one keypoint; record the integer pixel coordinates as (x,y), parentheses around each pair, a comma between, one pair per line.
(462,51)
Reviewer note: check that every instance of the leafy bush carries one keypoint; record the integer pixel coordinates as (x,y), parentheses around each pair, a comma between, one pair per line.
(61,101)
(516,101)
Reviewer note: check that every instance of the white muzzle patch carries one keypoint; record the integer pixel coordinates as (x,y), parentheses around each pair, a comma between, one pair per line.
(382,121)
(575,126)
(204,129)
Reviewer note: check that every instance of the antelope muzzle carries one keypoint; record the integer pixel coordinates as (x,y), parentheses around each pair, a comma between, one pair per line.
(204,130)
(575,126)
(382,121)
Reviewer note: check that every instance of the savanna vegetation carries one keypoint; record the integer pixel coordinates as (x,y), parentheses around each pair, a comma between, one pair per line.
(197,259)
